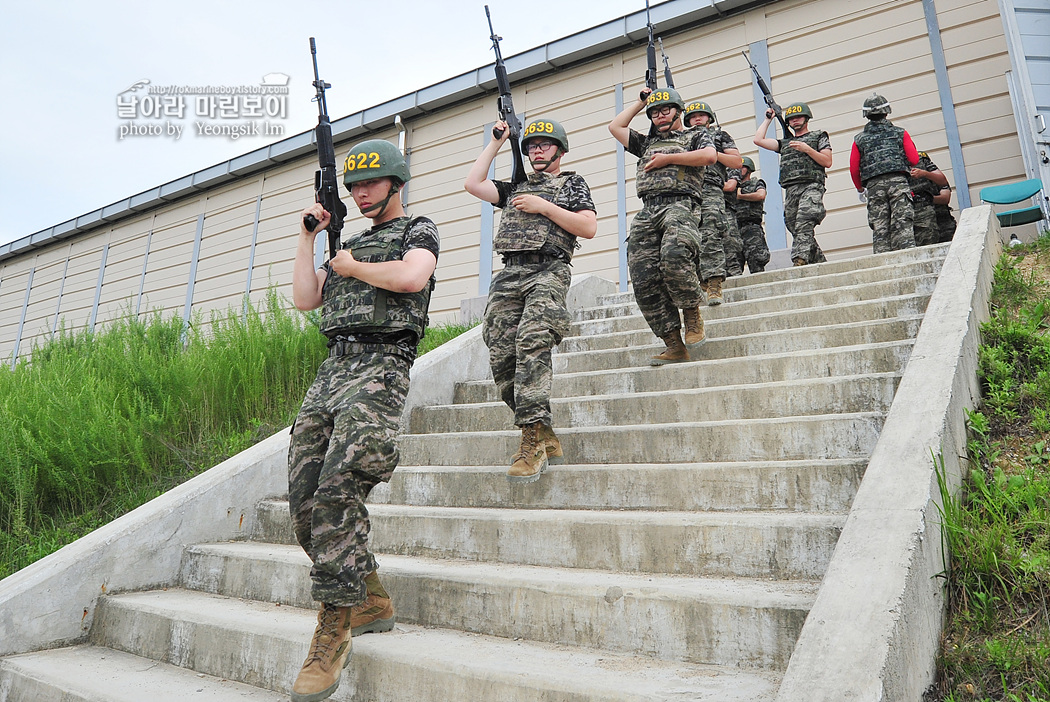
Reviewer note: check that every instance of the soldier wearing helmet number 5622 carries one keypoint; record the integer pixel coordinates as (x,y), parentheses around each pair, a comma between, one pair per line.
(663,248)
(373,296)
(879,163)
(526,315)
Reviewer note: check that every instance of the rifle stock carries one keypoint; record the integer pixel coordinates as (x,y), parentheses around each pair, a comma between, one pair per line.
(768,97)
(505,106)
(326,180)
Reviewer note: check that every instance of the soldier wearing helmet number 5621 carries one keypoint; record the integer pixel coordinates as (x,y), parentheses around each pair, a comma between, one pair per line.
(879,163)
(663,248)
(804,160)
(526,316)
(373,296)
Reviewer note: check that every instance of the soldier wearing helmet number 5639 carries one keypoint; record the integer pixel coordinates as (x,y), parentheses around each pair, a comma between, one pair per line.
(373,296)
(526,315)
(663,248)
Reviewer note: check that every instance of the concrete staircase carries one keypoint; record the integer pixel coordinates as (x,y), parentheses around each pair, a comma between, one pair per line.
(674,557)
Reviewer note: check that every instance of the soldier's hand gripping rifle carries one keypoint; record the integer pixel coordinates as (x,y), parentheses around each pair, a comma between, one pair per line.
(667,65)
(768,96)
(326,180)
(505,105)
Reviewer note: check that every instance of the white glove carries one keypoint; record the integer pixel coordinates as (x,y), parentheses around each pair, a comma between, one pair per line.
(863,195)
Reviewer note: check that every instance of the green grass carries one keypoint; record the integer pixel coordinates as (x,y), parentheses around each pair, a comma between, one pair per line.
(95,425)
(997,639)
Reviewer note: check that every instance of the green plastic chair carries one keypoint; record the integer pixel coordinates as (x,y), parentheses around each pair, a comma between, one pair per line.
(1009,194)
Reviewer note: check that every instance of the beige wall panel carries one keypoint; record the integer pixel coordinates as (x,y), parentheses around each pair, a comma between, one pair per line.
(178,213)
(997,159)
(294,175)
(233,196)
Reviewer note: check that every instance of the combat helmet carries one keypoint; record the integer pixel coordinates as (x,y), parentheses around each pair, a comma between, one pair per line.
(697,107)
(748,164)
(876,105)
(661,97)
(797,108)
(544,128)
(375,158)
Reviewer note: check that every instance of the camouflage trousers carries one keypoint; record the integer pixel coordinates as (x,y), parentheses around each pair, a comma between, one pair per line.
(714,226)
(756,250)
(890,212)
(525,318)
(926,230)
(663,253)
(803,211)
(343,443)
(734,247)
(946,223)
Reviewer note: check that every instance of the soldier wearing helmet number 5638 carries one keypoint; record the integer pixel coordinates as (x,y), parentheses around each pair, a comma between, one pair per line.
(373,296)
(526,316)
(663,248)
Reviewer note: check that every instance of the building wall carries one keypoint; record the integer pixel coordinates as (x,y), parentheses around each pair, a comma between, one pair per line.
(829,53)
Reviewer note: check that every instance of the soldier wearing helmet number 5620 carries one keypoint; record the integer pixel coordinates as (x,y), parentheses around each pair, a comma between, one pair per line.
(526,316)
(663,248)
(882,156)
(373,296)
(804,160)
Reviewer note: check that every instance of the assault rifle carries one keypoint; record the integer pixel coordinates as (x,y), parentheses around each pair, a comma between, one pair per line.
(505,105)
(768,95)
(326,181)
(650,54)
(667,66)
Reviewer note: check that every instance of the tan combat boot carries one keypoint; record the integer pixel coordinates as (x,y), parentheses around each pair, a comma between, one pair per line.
(675,352)
(703,289)
(694,327)
(798,262)
(376,613)
(531,457)
(550,440)
(714,291)
(330,652)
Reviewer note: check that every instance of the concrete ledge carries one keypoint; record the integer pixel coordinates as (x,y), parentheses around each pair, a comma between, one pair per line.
(873,633)
(51,603)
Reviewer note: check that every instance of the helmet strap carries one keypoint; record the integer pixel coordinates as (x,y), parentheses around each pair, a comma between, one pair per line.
(381,205)
(541,165)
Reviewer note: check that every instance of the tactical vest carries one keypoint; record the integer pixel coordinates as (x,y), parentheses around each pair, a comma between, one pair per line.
(687,180)
(750,210)
(923,188)
(797,167)
(352,304)
(525,231)
(881,146)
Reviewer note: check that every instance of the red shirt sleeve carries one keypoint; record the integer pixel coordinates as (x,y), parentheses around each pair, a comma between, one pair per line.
(910,152)
(854,166)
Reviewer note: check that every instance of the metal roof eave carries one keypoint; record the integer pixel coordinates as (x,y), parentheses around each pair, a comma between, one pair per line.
(668,18)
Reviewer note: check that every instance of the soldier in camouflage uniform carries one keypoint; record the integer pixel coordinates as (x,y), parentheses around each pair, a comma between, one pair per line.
(751,194)
(711,210)
(373,296)
(734,243)
(663,248)
(946,223)
(526,314)
(804,160)
(881,158)
(926,182)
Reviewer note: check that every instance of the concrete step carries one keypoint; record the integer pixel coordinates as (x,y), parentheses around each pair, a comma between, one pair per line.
(737,622)
(780,545)
(789,299)
(791,438)
(589,335)
(816,485)
(264,644)
(93,674)
(779,283)
(855,393)
(886,357)
(628,354)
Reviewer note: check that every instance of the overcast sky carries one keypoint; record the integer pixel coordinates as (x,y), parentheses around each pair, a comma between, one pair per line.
(63,65)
